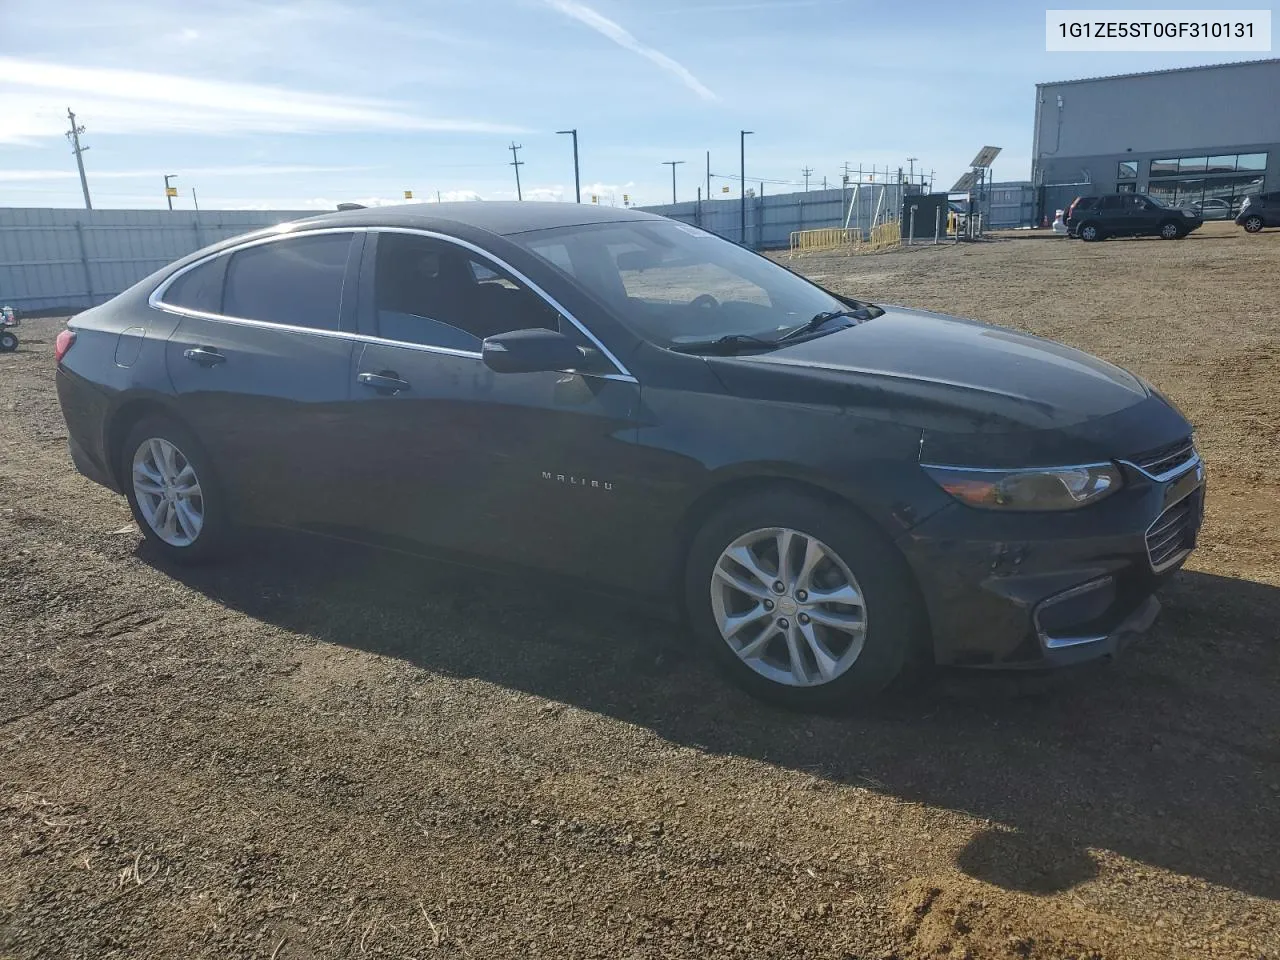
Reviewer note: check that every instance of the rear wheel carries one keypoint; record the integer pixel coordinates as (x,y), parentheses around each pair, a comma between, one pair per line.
(173,492)
(8,342)
(801,602)
(1171,231)
(1089,232)
(1253,224)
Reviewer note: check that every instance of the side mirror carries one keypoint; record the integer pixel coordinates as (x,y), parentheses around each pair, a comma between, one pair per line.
(531,351)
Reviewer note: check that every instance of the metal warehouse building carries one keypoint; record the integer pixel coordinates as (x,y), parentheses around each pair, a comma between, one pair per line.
(1184,135)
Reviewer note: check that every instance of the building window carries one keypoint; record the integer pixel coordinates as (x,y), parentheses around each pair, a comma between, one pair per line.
(1184,180)
(1129,187)
(1127,170)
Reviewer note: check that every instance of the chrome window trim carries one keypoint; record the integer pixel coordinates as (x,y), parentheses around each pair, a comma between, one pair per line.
(156,301)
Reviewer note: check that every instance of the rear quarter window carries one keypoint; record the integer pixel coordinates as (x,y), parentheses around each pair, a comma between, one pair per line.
(200,288)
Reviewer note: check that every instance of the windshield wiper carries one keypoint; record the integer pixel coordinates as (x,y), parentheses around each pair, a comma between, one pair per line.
(818,319)
(730,343)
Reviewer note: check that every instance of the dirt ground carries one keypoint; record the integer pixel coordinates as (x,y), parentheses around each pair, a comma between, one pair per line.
(318,752)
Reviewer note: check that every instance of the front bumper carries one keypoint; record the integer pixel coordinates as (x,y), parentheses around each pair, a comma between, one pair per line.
(1033,591)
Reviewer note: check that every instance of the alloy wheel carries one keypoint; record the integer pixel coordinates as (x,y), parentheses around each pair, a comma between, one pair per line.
(1169,231)
(789,607)
(1253,224)
(168,492)
(1089,232)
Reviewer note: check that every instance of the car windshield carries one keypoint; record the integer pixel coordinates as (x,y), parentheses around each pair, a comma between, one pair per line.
(678,285)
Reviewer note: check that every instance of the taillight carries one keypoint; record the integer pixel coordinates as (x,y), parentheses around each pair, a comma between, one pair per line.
(63,343)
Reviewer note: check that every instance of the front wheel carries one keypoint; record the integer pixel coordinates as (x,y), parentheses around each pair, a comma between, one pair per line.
(1089,232)
(8,342)
(1171,231)
(802,603)
(1252,224)
(173,493)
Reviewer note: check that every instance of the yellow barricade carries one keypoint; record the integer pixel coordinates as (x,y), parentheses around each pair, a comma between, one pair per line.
(834,238)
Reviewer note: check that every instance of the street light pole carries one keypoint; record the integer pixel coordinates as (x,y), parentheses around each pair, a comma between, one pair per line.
(577,183)
(911,176)
(168,190)
(742,185)
(673,164)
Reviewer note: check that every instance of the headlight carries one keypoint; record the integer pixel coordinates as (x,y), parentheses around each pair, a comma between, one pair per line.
(1038,488)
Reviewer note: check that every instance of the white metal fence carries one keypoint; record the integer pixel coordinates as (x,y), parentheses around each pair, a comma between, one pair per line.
(72,259)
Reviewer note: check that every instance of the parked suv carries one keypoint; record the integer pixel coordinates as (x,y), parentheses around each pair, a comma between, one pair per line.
(1260,210)
(1129,215)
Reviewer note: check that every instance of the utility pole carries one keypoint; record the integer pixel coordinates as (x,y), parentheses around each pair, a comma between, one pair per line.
(74,136)
(517,163)
(673,164)
(911,177)
(806,171)
(742,185)
(577,183)
(194,201)
(708,174)
(170,192)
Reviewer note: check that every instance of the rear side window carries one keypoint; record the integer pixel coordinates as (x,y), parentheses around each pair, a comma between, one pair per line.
(1110,203)
(199,288)
(296,281)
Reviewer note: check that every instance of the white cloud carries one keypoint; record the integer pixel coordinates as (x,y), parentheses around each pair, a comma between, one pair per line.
(32,95)
(623,38)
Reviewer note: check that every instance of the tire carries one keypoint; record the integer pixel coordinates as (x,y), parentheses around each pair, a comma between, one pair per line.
(168,528)
(1171,231)
(893,628)
(1089,232)
(1253,224)
(8,342)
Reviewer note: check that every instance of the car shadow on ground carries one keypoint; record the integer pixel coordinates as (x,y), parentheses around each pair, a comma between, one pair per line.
(1168,756)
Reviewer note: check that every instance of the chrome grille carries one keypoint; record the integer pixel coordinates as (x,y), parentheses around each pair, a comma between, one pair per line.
(1167,459)
(1172,536)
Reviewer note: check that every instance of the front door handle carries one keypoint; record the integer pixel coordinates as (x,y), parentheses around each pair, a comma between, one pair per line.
(205,356)
(388,382)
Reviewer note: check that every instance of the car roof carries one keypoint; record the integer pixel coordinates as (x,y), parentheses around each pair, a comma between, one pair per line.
(500,217)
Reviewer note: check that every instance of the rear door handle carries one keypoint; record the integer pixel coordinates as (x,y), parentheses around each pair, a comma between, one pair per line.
(205,356)
(387,382)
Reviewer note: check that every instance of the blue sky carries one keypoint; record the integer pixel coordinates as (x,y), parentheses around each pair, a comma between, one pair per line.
(300,104)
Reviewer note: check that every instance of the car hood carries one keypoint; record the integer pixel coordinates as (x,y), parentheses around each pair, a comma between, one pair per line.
(949,377)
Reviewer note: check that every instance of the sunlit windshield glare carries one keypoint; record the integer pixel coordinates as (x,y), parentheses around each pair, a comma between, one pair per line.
(675,284)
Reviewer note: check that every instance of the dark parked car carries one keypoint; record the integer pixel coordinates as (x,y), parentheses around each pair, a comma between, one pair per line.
(1260,210)
(829,489)
(1129,215)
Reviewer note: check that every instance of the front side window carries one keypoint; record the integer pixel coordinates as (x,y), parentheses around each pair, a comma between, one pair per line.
(433,293)
(296,281)
(675,284)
